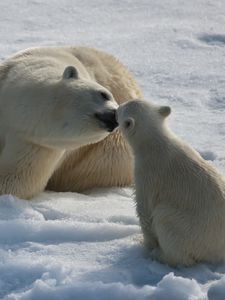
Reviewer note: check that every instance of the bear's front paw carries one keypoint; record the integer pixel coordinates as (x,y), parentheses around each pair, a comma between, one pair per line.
(157,254)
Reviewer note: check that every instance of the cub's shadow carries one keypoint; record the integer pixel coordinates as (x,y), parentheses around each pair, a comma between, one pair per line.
(134,266)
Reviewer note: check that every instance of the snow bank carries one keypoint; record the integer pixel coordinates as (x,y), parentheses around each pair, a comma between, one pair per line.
(73,246)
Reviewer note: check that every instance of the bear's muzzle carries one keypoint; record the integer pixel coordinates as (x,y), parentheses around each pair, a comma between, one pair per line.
(107,119)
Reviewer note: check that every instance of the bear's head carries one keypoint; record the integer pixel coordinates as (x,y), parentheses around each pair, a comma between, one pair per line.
(65,112)
(141,121)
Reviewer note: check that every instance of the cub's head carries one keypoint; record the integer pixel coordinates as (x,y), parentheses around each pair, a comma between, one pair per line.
(65,111)
(140,121)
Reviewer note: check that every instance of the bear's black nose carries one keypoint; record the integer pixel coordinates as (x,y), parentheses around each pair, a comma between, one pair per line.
(107,119)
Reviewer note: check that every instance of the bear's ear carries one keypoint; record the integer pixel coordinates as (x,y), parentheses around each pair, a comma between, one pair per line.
(128,123)
(164,111)
(70,72)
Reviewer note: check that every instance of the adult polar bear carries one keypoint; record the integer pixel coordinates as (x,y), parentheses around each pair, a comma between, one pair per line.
(52,120)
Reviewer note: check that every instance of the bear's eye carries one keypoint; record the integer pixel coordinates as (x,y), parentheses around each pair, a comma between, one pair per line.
(105,96)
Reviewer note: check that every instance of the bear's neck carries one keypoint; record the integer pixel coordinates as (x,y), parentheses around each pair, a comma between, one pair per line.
(25,168)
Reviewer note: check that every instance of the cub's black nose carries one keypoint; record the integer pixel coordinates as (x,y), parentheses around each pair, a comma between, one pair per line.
(107,119)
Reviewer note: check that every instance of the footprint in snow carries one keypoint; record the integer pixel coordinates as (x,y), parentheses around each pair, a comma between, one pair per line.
(208,155)
(212,39)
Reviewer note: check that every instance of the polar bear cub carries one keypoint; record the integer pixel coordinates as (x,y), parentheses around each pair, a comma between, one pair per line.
(180,198)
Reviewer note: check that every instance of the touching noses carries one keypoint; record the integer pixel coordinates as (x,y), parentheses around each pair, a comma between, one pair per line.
(108,119)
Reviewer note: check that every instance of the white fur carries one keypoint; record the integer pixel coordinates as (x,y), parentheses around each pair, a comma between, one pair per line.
(180,197)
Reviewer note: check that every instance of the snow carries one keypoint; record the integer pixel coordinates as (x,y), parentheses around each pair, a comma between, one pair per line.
(74,246)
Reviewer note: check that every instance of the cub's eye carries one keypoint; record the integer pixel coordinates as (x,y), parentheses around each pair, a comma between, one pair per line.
(129,123)
(105,96)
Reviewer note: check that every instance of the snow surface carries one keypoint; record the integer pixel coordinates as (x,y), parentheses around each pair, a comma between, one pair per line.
(73,246)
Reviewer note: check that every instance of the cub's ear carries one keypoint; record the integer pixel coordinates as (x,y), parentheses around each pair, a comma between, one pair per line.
(128,123)
(70,72)
(164,111)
